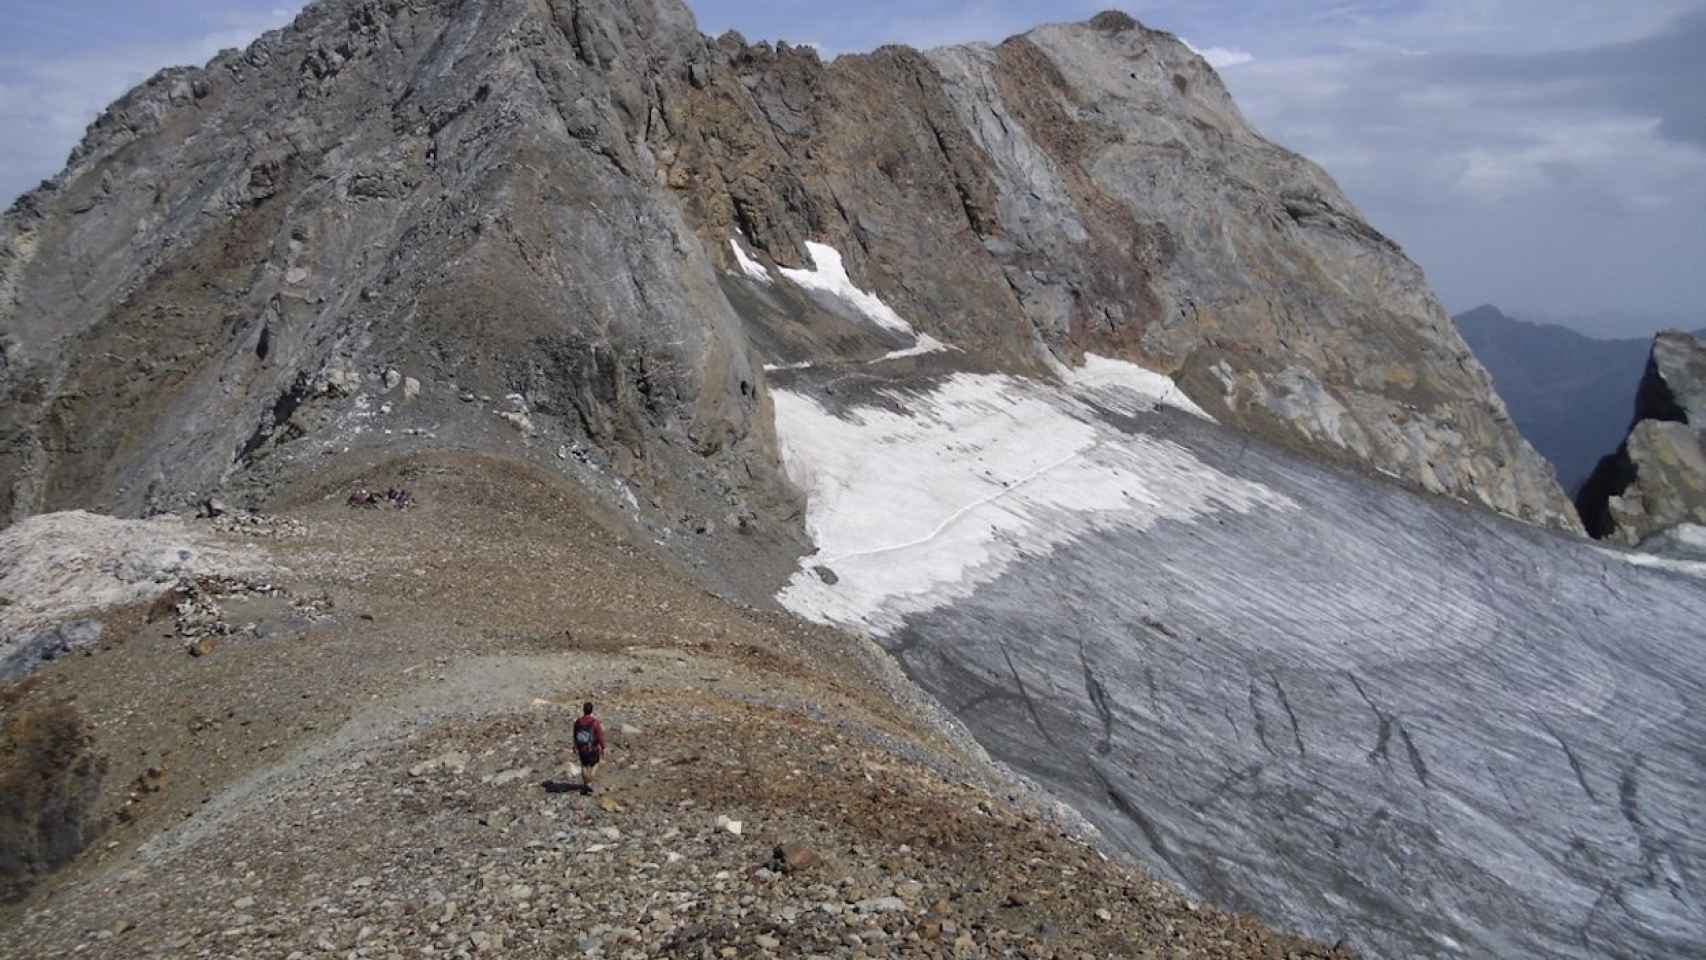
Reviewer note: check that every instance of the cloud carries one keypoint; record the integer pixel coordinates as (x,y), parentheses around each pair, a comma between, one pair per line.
(1662,76)
(1220,57)
(47,102)
(1556,181)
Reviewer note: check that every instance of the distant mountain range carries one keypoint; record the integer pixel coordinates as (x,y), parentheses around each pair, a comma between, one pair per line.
(1571,395)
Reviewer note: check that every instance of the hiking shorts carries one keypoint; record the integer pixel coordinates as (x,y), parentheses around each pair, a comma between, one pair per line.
(589,759)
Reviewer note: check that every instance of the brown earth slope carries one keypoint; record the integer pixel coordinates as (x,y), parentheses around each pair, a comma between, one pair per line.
(376,767)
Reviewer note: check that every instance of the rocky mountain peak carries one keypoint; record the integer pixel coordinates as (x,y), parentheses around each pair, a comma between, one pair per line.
(812,418)
(1674,387)
(537,200)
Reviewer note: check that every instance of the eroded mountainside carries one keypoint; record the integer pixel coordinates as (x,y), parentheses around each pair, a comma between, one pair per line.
(525,323)
(372,757)
(512,226)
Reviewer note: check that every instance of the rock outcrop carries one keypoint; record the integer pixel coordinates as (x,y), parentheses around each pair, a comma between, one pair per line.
(1568,393)
(237,256)
(567,206)
(1657,479)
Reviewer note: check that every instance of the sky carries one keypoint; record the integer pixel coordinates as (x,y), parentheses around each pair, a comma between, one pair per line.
(1547,156)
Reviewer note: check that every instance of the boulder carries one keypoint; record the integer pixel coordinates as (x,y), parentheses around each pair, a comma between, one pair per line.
(453,762)
(880,905)
(33,648)
(795,858)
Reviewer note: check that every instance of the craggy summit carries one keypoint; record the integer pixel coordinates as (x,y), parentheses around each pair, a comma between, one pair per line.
(341,234)
(958,478)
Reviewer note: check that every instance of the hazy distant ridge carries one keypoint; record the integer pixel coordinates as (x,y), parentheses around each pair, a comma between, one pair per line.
(1571,395)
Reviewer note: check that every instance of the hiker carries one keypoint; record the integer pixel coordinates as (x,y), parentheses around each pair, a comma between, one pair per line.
(589,744)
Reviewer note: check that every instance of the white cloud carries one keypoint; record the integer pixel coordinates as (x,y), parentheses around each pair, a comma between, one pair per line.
(1220,57)
(1558,182)
(46,104)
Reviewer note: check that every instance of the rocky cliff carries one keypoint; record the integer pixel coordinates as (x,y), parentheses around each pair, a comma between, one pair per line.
(547,228)
(1657,479)
(364,229)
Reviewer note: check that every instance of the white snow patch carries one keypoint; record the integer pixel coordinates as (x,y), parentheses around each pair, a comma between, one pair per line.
(1105,376)
(1690,568)
(830,276)
(1690,535)
(926,344)
(627,495)
(749,266)
(802,365)
(912,511)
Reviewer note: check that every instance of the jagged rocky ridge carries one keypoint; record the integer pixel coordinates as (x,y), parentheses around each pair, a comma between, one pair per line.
(666,267)
(1656,480)
(395,221)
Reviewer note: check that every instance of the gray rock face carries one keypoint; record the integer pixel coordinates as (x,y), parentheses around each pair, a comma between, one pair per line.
(536,198)
(458,193)
(1657,479)
(1139,210)
(1675,387)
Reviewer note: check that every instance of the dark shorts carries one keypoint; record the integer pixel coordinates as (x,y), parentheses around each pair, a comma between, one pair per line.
(589,759)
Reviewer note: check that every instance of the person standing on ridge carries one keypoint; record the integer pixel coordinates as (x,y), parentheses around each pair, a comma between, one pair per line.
(589,744)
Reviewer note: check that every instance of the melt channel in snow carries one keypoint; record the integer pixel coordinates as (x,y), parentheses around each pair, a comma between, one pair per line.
(914,510)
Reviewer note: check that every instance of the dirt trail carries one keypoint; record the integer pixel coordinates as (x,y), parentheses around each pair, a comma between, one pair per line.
(383,778)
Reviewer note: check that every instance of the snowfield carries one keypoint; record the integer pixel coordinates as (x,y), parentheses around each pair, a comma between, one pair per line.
(913,510)
(1357,712)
